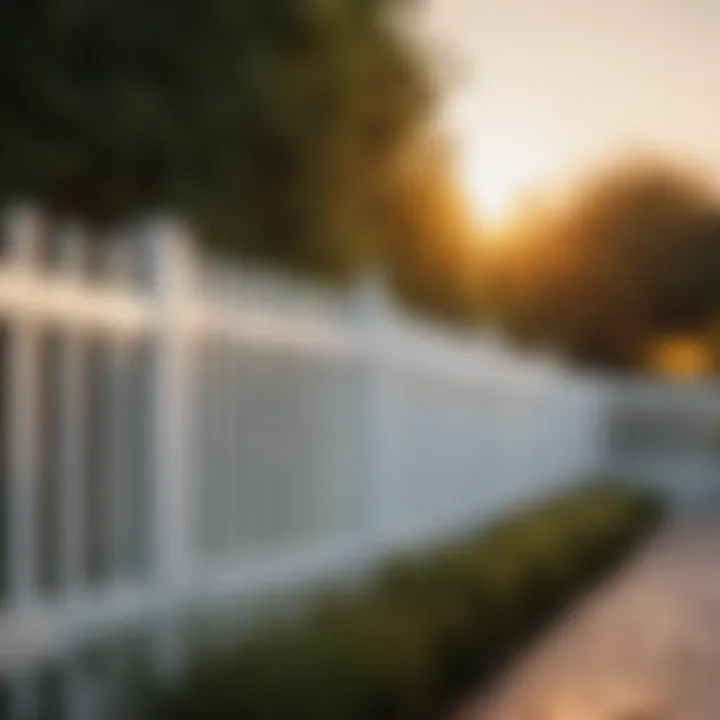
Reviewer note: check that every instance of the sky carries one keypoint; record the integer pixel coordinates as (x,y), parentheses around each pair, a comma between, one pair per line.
(547,88)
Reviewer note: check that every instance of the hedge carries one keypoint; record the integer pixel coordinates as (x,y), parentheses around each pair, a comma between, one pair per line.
(429,625)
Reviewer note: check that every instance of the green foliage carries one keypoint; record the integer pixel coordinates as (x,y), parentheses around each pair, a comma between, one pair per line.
(429,626)
(270,123)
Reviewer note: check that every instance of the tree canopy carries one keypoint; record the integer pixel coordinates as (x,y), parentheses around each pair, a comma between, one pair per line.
(635,254)
(272,124)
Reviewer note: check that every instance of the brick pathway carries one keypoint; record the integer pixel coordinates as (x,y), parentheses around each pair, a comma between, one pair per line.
(646,646)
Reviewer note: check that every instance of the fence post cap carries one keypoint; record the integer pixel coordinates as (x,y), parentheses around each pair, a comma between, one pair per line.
(166,249)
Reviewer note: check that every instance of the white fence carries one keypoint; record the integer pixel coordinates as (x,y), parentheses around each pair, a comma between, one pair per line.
(174,433)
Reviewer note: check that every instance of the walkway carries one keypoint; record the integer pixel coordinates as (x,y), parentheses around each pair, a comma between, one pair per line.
(646,646)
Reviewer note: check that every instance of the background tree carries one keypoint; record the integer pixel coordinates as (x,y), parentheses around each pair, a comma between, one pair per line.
(634,254)
(431,250)
(271,123)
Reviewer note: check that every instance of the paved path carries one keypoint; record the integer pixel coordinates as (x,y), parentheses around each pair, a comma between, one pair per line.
(646,646)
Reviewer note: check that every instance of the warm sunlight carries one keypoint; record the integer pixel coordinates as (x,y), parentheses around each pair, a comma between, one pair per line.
(496,174)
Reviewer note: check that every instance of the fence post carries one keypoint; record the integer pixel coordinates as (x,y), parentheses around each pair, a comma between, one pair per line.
(72,427)
(117,267)
(23,228)
(169,265)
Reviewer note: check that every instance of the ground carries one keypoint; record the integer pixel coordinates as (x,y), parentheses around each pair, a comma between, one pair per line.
(644,646)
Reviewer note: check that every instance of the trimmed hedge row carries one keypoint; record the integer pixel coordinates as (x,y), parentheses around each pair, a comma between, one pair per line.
(429,625)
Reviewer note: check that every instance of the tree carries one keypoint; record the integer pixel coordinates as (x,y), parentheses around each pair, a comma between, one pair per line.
(270,123)
(430,245)
(636,254)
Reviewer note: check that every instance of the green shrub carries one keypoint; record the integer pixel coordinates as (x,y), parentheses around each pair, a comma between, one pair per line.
(429,626)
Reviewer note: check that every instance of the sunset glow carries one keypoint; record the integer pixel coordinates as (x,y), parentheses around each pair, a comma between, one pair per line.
(496,175)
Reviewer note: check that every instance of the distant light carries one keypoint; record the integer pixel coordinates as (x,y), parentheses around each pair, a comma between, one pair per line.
(497,172)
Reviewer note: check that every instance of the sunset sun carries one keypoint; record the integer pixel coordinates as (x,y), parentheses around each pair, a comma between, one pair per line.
(496,175)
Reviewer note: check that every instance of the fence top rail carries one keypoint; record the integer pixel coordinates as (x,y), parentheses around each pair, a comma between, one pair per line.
(151,274)
(63,301)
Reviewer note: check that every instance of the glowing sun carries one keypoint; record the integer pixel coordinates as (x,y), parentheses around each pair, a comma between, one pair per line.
(495,176)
